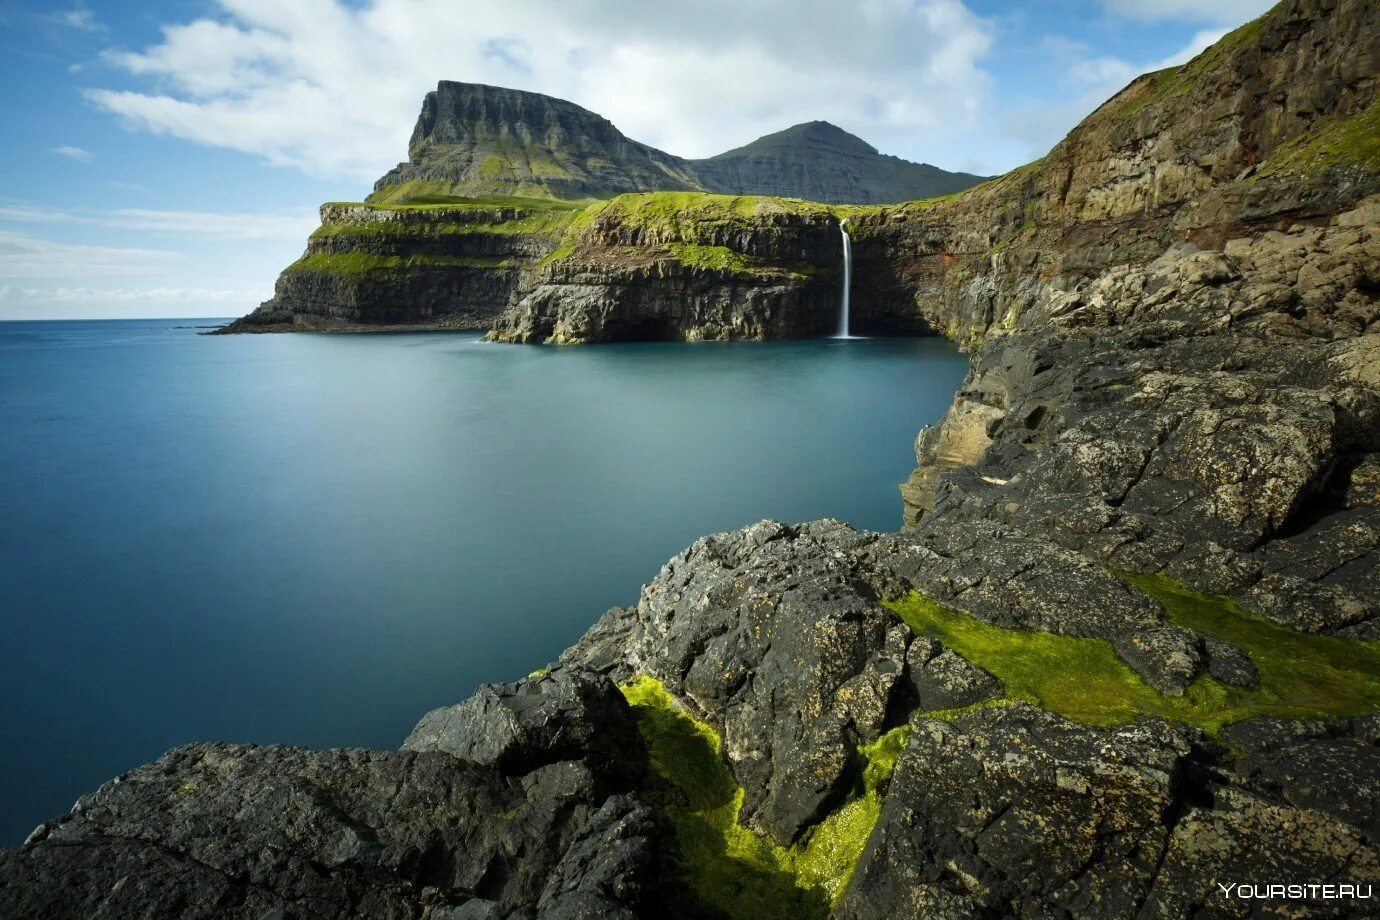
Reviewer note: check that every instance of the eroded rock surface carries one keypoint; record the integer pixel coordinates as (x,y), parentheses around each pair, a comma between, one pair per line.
(532,817)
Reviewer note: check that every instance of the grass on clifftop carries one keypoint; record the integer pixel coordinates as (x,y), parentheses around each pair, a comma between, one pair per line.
(732,868)
(1186,79)
(359,264)
(678,213)
(541,222)
(418,193)
(1301,675)
(678,220)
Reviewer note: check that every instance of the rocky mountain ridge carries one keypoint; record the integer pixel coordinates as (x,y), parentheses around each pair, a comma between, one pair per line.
(473,140)
(1123,659)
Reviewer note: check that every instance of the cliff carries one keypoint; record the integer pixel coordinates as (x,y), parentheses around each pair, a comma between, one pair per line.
(384,267)
(1123,659)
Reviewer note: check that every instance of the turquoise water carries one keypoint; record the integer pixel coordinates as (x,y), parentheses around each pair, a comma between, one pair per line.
(314,539)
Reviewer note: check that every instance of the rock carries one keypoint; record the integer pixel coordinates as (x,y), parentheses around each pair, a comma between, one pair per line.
(1168,657)
(563,714)
(1243,836)
(941,679)
(537,817)
(1336,776)
(774,633)
(1228,663)
(1014,812)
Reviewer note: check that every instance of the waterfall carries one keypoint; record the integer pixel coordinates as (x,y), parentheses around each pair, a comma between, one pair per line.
(847,281)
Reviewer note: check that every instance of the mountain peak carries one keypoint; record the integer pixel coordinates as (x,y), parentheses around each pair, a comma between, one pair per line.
(806,136)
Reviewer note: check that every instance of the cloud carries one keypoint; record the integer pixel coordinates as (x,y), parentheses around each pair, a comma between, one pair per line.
(293,225)
(333,88)
(1226,12)
(79,17)
(151,295)
(74,153)
(24,256)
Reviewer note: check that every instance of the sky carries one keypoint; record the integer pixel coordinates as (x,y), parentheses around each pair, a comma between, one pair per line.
(166,158)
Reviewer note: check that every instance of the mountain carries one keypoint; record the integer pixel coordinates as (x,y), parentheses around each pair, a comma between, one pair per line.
(477,141)
(818,161)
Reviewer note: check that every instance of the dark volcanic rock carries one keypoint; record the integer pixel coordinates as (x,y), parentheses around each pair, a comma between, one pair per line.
(1168,657)
(563,714)
(1013,812)
(1337,776)
(1228,663)
(939,678)
(774,633)
(542,822)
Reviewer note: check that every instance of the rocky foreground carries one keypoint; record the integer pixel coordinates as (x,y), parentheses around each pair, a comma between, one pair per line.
(1123,661)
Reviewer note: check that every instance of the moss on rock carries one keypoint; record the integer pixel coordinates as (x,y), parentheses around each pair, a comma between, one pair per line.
(1300,675)
(740,872)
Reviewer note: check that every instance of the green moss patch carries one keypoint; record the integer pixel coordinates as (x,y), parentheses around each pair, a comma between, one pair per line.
(1301,675)
(723,259)
(714,258)
(732,868)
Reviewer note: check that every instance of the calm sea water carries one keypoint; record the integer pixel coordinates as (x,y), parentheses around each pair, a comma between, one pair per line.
(314,539)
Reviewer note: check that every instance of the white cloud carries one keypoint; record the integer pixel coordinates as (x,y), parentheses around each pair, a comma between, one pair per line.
(213,225)
(1226,12)
(24,256)
(79,17)
(150,295)
(74,153)
(333,88)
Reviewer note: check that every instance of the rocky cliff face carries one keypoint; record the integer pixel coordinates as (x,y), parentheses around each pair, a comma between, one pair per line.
(1123,661)
(381,267)
(677,266)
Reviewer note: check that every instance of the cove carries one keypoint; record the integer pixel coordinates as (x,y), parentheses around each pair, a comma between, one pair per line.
(313,539)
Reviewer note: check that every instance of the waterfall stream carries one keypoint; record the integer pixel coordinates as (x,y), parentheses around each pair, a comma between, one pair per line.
(847,281)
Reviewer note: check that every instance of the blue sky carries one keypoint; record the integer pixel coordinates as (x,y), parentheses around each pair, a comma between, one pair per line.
(167,158)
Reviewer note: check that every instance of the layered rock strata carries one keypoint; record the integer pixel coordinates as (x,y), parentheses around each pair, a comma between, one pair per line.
(377,267)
